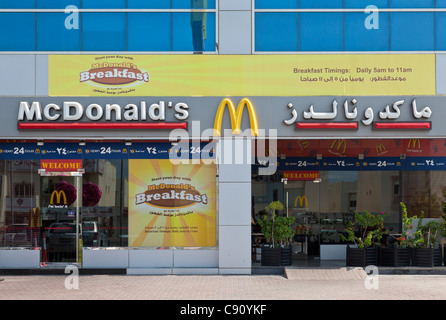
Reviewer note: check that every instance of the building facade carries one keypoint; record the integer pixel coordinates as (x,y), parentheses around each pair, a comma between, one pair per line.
(150,136)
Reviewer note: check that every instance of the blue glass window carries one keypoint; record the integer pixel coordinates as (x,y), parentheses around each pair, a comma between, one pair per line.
(360,34)
(17,32)
(193,31)
(148,4)
(53,34)
(193,4)
(171,32)
(101,4)
(276,31)
(362,4)
(411,31)
(321,32)
(15,4)
(274,4)
(412,3)
(56,4)
(318,4)
(149,32)
(103,32)
(171,4)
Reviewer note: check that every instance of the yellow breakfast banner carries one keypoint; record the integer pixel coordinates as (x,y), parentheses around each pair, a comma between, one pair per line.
(241,75)
(171,205)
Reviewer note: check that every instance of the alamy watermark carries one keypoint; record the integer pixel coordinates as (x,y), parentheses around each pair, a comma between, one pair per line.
(72,20)
(241,148)
(72,280)
(371,282)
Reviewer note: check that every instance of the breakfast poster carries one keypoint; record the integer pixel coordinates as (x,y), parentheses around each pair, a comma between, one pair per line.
(241,75)
(171,205)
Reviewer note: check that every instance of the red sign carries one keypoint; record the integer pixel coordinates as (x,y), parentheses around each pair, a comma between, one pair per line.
(61,165)
(301,175)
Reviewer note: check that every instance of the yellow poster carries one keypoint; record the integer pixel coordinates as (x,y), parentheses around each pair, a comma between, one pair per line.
(241,75)
(171,205)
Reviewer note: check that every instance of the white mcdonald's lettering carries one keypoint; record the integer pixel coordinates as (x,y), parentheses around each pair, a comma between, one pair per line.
(73,111)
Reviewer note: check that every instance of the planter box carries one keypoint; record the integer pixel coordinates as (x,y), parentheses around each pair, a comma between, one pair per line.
(275,256)
(372,256)
(285,259)
(427,257)
(403,257)
(356,257)
(394,257)
(271,256)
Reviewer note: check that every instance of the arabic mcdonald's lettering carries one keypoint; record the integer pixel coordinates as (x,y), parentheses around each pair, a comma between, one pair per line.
(350,110)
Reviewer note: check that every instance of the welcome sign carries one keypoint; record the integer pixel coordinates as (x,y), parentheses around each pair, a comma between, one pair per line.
(171,205)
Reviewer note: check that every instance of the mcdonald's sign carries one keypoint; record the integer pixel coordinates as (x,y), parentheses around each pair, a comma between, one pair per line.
(58,195)
(380,148)
(236,116)
(414,144)
(302,200)
(337,145)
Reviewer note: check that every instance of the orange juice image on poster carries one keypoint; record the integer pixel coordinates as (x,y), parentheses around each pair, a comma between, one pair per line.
(171,205)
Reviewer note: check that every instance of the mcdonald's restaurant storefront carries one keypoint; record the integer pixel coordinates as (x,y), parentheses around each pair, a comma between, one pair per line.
(156,183)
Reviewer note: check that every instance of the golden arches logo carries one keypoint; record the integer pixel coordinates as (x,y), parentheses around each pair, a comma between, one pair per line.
(340,144)
(58,195)
(301,200)
(380,148)
(416,143)
(236,116)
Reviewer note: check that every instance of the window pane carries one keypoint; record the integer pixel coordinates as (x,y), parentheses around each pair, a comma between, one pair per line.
(56,4)
(274,4)
(17,32)
(15,4)
(101,4)
(412,31)
(321,32)
(103,31)
(310,4)
(360,36)
(440,31)
(104,202)
(412,4)
(53,35)
(18,226)
(149,32)
(362,4)
(193,31)
(422,191)
(276,31)
(193,4)
(148,4)
(171,4)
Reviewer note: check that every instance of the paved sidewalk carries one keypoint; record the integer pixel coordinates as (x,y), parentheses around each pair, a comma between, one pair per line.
(254,287)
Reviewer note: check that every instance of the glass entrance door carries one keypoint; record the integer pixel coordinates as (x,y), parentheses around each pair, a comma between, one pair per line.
(60,212)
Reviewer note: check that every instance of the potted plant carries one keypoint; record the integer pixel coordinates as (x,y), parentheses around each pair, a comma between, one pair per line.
(399,255)
(278,233)
(365,232)
(424,241)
